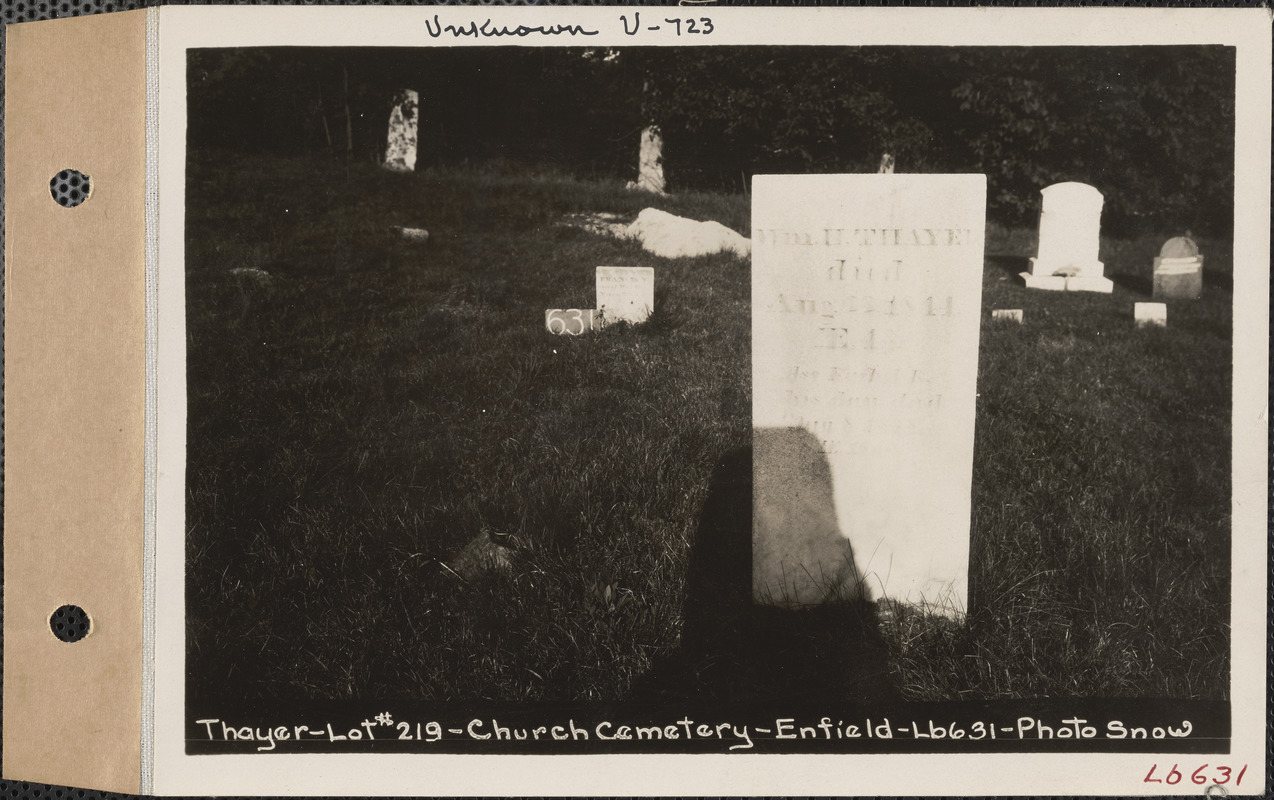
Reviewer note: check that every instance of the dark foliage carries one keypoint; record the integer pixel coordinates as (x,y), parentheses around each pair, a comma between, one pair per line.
(1151,127)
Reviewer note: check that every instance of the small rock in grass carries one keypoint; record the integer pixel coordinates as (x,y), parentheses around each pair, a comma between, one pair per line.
(251,276)
(412,234)
(489,551)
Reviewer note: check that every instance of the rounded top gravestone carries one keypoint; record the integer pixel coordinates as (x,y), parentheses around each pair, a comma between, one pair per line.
(1179,247)
(1070,228)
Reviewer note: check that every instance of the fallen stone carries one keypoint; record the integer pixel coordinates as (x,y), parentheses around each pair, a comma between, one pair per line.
(483,554)
(412,234)
(670,236)
(251,276)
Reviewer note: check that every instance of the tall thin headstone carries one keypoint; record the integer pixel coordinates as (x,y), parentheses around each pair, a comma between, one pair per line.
(400,148)
(650,162)
(1070,234)
(866,302)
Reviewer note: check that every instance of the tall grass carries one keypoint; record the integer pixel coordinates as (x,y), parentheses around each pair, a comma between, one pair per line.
(361,407)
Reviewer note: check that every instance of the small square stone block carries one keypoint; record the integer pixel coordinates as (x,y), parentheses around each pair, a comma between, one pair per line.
(1150,314)
(1007,315)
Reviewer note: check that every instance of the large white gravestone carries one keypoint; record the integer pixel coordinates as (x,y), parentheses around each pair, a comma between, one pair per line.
(625,293)
(400,149)
(866,301)
(1070,233)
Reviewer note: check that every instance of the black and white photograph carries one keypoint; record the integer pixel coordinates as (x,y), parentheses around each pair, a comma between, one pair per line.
(551,395)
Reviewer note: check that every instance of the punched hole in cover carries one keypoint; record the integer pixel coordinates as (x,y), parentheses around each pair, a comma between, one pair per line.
(70,623)
(70,188)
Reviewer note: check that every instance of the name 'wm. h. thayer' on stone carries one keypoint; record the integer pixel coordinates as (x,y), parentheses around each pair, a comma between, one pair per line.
(866,301)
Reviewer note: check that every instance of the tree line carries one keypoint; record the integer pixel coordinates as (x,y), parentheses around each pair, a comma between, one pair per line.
(1151,127)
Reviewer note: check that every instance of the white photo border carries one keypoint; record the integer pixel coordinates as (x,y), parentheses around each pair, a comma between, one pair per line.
(177,773)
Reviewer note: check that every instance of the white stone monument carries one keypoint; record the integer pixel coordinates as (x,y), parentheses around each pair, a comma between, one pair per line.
(866,304)
(1070,233)
(650,163)
(400,149)
(625,293)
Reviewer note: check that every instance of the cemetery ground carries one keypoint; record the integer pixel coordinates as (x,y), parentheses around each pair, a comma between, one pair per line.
(362,407)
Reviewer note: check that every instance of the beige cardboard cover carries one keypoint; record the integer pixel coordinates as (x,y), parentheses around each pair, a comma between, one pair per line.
(74,400)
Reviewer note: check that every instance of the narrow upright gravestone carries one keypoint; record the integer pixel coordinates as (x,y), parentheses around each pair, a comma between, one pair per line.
(400,149)
(1178,270)
(625,293)
(1070,233)
(650,162)
(866,301)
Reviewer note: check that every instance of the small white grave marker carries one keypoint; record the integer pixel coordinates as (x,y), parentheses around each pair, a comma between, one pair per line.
(400,149)
(866,304)
(1150,314)
(1007,315)
(625,293)
(1070,234)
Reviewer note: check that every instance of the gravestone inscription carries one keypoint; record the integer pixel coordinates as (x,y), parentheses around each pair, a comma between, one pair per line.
(625,293)
(866,302)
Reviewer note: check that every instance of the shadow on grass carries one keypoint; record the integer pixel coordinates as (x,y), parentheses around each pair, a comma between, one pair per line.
(1218,280)
(737,651)
(1138,284)
(1013,265)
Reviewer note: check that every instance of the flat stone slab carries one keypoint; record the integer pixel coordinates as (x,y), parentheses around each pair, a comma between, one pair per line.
(1068,283)
(866,305)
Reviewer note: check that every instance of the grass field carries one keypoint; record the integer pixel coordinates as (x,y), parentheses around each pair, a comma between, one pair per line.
(362,407)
